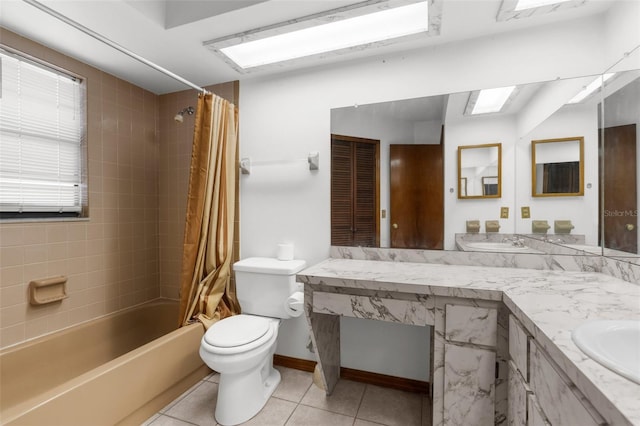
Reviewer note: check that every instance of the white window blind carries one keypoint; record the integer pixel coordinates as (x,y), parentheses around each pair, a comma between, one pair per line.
(41,134)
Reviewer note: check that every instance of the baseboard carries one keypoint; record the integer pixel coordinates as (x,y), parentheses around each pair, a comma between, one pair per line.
(400,383)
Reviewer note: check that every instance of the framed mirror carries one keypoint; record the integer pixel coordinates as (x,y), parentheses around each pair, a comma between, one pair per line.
(480,171)
(557,167)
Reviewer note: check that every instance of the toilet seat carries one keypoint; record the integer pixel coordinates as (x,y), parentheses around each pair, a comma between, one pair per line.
(237,334)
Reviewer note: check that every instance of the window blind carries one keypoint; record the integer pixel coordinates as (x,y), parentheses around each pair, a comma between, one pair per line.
(41,134)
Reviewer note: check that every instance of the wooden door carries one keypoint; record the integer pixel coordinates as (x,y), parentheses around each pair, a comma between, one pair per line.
(417,196)
(355,186)
(619,216)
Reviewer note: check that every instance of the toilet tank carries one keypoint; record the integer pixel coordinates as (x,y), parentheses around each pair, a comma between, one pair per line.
(264,284)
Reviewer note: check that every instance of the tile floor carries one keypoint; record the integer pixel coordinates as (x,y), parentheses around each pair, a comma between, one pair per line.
(298,402)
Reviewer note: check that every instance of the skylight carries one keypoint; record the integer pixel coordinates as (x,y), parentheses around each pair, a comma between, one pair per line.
(288,42)
(592,87)
(492,100)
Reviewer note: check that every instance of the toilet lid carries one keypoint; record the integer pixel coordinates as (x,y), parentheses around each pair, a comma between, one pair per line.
(237,330)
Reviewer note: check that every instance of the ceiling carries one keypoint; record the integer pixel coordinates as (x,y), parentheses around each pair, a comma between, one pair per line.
(171,33)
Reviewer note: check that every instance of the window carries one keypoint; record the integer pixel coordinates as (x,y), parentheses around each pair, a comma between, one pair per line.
(42,130)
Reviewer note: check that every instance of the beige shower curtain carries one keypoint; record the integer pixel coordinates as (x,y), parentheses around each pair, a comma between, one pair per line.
(206,294)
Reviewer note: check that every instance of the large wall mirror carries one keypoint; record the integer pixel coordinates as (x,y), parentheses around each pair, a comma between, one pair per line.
(557,167)
(539,112)
(479,171)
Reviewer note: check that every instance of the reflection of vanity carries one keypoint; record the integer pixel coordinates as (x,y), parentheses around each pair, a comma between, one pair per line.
(487,322)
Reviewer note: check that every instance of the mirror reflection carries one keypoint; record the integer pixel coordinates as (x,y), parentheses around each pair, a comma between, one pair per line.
(479,171)
(619,146)
(557,167)
(538,112)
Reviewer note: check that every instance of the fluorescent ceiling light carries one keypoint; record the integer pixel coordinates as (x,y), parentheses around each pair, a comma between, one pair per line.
(592,87)
(386,24)
(492,100)
(530,4)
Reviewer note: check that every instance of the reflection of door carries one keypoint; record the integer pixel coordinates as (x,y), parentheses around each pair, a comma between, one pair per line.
(355,185)
(417,196)
(620,200)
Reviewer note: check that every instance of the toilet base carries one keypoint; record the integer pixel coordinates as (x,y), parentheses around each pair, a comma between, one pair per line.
(242,396)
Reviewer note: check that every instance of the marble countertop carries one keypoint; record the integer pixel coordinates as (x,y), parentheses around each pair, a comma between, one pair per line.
(550,304)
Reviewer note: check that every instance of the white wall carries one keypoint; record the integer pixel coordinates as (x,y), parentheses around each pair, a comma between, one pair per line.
(477,131)
(348,122)
(582,211)
(288,115)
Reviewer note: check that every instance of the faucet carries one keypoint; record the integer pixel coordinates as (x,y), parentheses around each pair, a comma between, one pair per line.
(515,241)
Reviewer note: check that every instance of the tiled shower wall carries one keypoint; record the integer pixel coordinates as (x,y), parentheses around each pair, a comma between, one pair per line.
(129,249)
(111,259)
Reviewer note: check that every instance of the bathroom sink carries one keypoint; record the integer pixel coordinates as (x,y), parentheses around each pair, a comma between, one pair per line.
(495,246)
(613,343)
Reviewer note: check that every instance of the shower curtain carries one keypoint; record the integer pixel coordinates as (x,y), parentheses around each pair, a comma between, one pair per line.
(206,294)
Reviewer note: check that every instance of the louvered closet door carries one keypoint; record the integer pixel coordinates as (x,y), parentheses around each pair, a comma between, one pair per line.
(354,192)
(341,193)
(364,216)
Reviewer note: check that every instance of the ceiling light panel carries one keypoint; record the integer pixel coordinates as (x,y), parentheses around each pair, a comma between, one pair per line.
(357,27)
(518,9)
(590,89)
(490,100)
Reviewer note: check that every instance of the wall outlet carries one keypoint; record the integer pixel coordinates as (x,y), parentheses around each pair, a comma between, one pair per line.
(504,212)
(526,213)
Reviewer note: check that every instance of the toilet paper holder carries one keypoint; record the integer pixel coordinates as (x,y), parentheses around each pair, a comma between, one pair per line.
(294,305)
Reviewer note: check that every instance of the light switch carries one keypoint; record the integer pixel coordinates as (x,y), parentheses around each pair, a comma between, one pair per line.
(383,213)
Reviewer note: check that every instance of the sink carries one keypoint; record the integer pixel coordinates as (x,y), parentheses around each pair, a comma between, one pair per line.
(613,343)
(489,246)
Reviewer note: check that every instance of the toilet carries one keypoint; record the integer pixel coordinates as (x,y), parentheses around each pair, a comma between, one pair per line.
(241,347)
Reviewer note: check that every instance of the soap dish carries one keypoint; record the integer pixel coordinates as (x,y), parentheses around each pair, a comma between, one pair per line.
(47,290)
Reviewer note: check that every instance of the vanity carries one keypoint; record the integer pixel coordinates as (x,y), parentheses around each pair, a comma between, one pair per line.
(501,350)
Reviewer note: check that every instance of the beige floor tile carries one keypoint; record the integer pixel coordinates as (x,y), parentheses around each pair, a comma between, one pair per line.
(169,421)
(178,399)
(274,413)
(198,406)
(294,384)
(309,416)
(213,377)
(391,407)
(427,411)
(360,422)
(345,398)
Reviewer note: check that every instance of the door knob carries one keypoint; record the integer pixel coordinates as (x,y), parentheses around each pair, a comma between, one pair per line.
(395,226)
(629,227)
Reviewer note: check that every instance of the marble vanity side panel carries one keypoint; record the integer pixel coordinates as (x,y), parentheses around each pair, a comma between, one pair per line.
(502,359)
(517,398)
(519,347)
(557,399)
(437,360)
(469,391)
(536,418)
(469,324)
(325,336)
(374,308)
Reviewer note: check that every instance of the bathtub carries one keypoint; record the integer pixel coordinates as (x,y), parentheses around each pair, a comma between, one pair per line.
(117,369)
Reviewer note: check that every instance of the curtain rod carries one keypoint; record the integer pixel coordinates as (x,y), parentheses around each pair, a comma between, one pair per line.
(113,44)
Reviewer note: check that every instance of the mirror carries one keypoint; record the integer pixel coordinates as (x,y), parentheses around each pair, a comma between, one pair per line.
(620,138)
(479,171)
(539,112)
(557,167)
